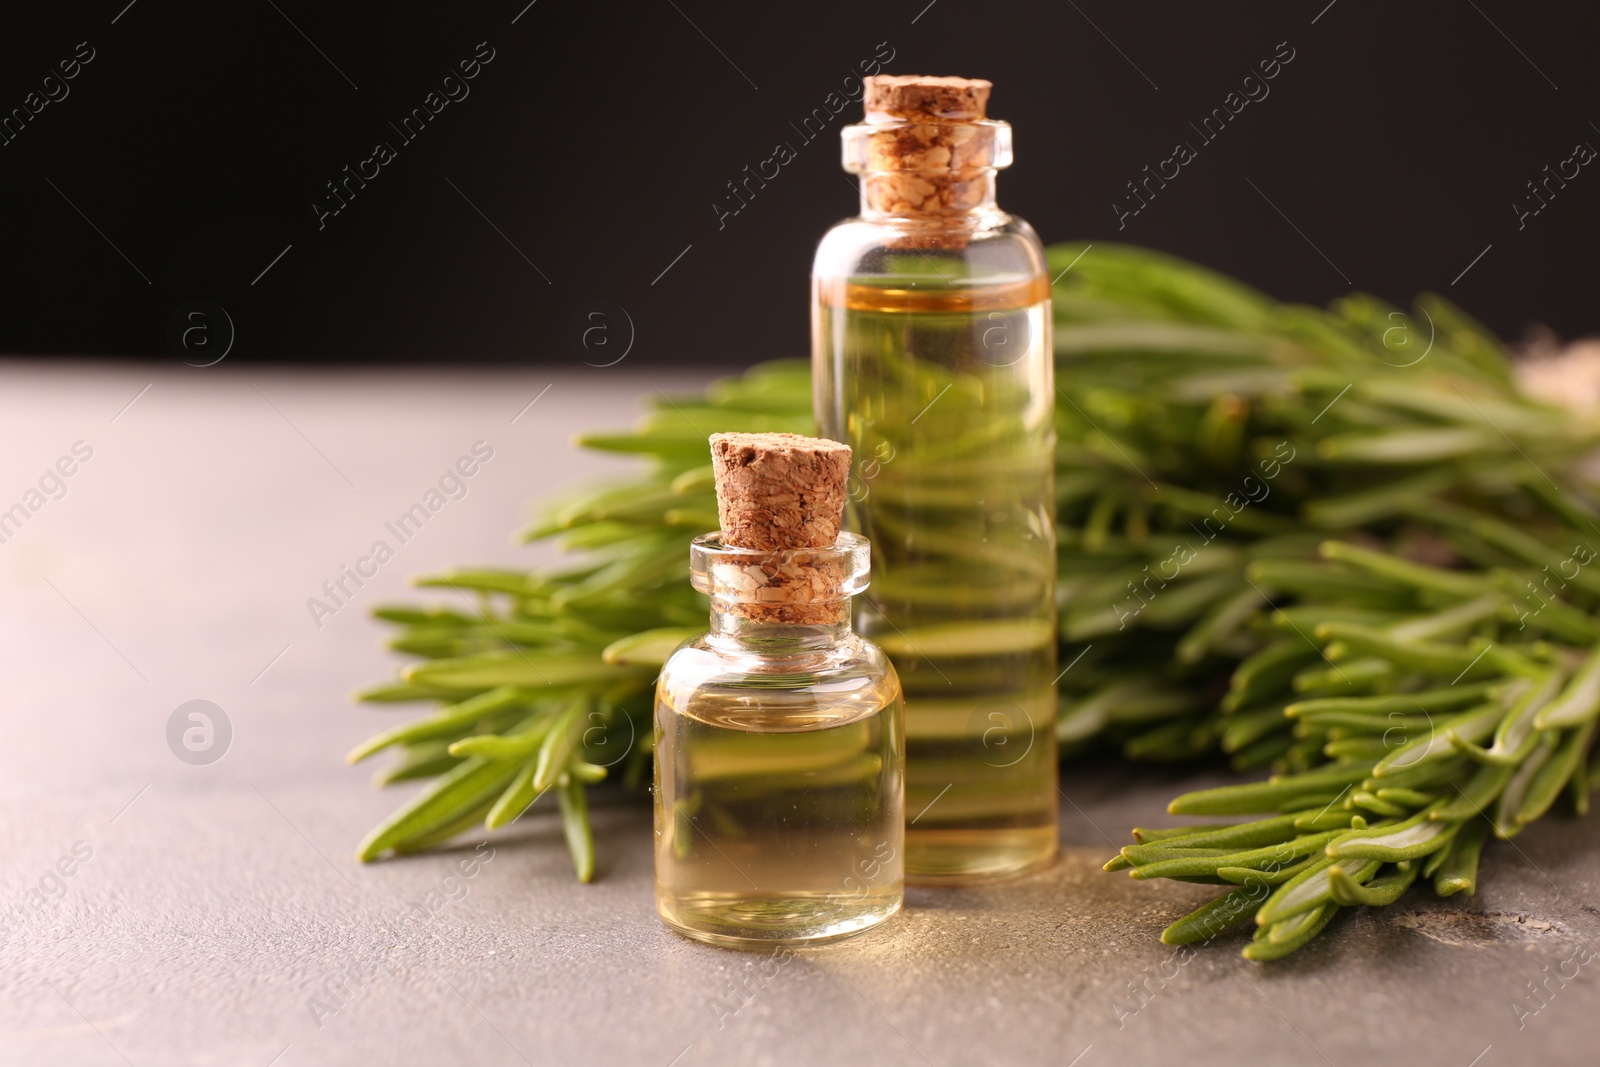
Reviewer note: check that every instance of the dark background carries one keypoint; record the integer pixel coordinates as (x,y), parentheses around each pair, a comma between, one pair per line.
(598,139)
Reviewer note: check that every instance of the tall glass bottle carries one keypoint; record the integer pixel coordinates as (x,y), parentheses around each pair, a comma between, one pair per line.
(932,360)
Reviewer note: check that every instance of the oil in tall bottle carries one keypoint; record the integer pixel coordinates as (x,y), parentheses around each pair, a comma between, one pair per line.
(932,360)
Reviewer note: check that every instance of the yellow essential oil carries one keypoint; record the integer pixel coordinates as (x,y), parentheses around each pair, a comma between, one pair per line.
(932,360)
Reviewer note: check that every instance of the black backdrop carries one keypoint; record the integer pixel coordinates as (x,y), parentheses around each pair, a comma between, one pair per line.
(581,167)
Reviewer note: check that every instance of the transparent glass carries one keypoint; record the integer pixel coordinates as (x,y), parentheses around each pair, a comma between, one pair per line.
(932,359)
(779,757)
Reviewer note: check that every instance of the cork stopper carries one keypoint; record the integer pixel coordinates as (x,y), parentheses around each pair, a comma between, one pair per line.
(779,497)
(779,490)
(909,97)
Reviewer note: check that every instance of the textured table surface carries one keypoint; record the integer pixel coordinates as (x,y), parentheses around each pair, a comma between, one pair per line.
(160,912)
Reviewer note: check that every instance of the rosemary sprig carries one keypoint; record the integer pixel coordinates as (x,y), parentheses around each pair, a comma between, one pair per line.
(1444,761)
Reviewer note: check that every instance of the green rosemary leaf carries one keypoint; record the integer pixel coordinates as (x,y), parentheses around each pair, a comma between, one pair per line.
(575,823)
(447,722)
(517,798)
(559,743)
(1279,940)
(456,800)
(649,648)
(1209,920)
(528,669)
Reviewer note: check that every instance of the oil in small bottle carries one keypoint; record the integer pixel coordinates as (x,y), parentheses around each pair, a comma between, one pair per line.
(779,745)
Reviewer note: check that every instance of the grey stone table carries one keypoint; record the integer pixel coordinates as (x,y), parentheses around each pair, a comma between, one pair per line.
(159,911)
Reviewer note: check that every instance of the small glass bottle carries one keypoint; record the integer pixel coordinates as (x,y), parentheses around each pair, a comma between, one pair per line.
(779,751)
(931,358)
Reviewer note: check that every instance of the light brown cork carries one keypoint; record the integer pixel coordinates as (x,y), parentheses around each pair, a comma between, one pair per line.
(932,154)
(781,492)
(922,96)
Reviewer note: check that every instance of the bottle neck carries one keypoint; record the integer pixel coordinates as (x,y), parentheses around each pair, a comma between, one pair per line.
(779,601)
(928,173)
(929,199)
(827,626)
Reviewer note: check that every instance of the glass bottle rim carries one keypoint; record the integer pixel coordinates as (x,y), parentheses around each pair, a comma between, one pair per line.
(755,576)
(856,139)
